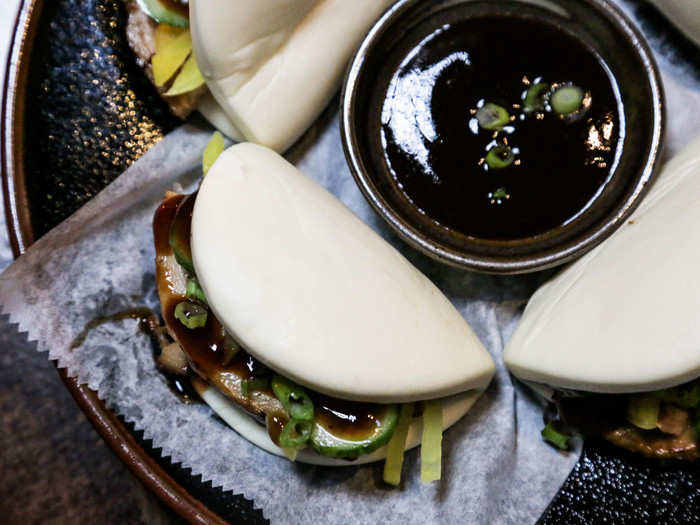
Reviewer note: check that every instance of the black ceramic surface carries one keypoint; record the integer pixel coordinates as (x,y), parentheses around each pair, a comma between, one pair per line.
(91,113)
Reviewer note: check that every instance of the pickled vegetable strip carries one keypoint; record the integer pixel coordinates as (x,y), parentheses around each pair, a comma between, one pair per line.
(214,148)
(397,444)
(187,80)
(431,442)
(171,57)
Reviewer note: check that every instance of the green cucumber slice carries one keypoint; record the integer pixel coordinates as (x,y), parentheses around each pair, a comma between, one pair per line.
(328,444)
(180,233)
(171,12)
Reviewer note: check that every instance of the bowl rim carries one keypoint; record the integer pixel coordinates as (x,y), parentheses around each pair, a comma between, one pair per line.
(12,134)
(508,264)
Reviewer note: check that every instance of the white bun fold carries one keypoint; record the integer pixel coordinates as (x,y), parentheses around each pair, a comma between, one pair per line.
(273,65)
(453,409)
(625,317)
(314,293)
(211,110)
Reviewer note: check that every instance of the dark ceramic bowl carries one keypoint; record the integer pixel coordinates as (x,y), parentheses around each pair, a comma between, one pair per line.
(603,29)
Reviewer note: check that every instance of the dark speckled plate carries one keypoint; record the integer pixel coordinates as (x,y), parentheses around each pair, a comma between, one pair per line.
(77,111)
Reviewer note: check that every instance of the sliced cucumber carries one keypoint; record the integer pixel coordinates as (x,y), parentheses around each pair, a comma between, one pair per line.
(171,12)
(180,233)
(328,444)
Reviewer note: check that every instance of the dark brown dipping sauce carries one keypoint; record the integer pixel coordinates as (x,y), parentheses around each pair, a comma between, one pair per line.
(436,150)
(141,313)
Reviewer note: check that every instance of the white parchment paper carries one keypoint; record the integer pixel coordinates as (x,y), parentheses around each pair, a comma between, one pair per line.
(101,260)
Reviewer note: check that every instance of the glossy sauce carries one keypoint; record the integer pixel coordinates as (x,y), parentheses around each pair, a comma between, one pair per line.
(142,313)
(347,419)
(275,423)
(204,347)
(435,148)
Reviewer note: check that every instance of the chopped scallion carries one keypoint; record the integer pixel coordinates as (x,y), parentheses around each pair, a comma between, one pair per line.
(500,193)
(534,97)
(294,399)
(567,99)
(492,116)
(295,433)
(555,437)
(191,315)
(253,384)
(684,396)
(500,157)
(194,290)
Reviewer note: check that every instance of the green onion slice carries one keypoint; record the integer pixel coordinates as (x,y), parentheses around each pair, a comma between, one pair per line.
(431,442)
(294,399)
(492,116)
(229,348)
(396,446)
(567,99)
(191,315)
(194,290)
(500,157)
(684,396)
(500,193)
(256,383)
(214,148)
(643,411)
(534,97)
(555,437)
(295,433)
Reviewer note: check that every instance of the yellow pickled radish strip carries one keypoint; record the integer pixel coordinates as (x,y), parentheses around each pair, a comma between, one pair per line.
(431,442)
(643,410)
(166,34)
(187,80)
(170,57)
(396,446)
(291,453)
(212,151)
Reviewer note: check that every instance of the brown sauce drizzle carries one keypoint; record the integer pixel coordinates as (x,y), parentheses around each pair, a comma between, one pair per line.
(162,219)
(204,347)
(275,423)
(347,419)
(141,313)
(182,388)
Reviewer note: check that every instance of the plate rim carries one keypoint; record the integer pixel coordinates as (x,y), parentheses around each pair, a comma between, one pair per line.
(21,234)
